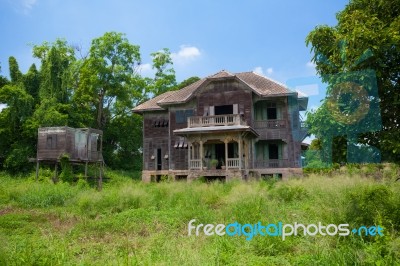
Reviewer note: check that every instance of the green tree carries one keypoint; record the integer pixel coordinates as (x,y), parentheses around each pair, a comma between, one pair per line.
(367,37)
(164,79)
(3,80)
(31,82)
(15,73)
(110,86)
(14,152)
(108,77)
(187,82)
(56,59)
(16,146)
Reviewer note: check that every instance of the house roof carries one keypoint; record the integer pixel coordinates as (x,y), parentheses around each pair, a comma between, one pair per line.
(151,105)
(261,85)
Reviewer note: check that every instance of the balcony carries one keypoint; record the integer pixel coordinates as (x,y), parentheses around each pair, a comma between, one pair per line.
(275,123)
(216,120)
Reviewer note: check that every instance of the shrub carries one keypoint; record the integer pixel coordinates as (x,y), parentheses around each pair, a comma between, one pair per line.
(369,205)
(289,193)
(66,174)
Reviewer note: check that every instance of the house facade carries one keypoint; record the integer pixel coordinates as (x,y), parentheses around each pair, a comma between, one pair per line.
(224,126)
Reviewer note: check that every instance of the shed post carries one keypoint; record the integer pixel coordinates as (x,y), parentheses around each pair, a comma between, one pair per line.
(56,173)
(37,169)
(100,184)
(86,168)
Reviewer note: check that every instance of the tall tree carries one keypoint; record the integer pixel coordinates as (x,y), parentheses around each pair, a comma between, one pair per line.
(13,149)
(31,82)
(56,59)
(164,79)
(15,73)
(3,80)
(108,76)
(365,46)
(109,87)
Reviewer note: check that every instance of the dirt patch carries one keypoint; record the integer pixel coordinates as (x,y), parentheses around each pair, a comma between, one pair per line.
(6,211)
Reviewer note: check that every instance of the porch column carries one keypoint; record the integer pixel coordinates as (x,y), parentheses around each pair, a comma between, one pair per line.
(201,154)
(189,153)
(226,154)
(246,153)
(240,151)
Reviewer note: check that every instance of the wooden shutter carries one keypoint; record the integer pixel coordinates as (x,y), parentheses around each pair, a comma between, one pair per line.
(235,109)
(212,110)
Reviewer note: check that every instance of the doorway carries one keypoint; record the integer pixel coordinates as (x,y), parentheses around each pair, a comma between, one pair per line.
(223,110)
(159,160)
(220,154)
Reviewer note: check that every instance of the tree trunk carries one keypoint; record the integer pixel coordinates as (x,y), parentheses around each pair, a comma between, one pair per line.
(100,111)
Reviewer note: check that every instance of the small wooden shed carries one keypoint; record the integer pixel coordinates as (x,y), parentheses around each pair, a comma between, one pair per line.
(82,145)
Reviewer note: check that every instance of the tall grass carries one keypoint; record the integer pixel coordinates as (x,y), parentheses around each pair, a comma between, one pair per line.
(133,223)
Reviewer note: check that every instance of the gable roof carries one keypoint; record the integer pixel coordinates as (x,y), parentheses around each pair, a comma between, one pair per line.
(261,85)
(151,105)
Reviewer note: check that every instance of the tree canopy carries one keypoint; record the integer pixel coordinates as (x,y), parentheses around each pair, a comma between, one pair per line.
(359,59)
(98,90)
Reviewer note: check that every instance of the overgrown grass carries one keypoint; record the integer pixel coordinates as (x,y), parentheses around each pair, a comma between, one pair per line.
(132,223)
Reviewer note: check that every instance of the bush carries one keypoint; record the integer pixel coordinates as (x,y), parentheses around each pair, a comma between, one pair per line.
(289,193)
(373,204)
(67,173)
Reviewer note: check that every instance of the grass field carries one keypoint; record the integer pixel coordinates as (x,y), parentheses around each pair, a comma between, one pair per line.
(132,223)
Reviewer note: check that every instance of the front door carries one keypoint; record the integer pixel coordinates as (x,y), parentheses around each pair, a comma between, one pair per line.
(220,154)
(159,160)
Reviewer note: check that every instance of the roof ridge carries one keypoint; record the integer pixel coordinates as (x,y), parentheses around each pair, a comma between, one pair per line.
(270,79)
(259,84)
(221,72)
(188,87)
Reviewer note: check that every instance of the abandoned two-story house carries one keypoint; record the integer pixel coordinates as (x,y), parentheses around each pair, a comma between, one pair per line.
(224,126)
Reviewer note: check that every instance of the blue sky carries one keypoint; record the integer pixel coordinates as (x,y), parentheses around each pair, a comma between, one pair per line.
(204,36)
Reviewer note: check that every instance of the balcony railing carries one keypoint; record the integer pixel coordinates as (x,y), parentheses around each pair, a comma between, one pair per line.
(195,164)
(215,120)
(278,163)
(276,123)
(232,163)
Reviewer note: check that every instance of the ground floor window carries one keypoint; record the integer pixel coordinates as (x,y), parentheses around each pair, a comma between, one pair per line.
(269,150)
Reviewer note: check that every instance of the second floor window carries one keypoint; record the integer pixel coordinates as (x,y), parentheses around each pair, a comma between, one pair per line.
(181,116)
(266,111)
(51,142)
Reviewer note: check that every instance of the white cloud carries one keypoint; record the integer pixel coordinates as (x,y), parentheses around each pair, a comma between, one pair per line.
(310,64)
(259,70)
(23,6)
(309,139)
(186,54)
(308,90)
(28,4)
(2,106)
(146,70)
